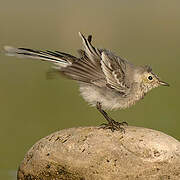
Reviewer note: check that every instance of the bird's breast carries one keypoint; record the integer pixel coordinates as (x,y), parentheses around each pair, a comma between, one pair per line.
(109,99)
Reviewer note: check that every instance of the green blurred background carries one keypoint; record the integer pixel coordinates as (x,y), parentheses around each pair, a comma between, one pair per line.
(31,107)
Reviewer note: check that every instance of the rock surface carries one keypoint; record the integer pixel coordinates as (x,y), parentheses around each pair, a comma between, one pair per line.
(90,153)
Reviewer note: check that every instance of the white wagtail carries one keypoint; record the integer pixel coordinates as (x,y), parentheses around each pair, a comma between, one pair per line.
(106,80)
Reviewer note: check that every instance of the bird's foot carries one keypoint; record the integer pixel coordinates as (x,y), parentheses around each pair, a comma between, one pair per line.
(114,126)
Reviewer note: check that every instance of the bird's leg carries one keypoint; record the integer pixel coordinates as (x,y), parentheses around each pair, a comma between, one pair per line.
(112,124)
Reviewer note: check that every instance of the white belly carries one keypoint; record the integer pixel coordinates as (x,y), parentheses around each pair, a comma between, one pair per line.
(108,98)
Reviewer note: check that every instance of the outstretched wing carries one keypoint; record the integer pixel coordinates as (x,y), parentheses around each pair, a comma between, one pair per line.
(114,69)
(88,67)
(99,67)
(95,66)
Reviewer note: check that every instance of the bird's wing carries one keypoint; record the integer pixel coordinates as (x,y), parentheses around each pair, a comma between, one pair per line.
(95,66)
(99,67)
(114,69)
(88,67)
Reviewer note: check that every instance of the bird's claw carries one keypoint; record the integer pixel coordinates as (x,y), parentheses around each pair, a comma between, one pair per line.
(124,123)
(114,126)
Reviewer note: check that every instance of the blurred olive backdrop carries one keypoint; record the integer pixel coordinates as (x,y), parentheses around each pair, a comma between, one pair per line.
(31,107)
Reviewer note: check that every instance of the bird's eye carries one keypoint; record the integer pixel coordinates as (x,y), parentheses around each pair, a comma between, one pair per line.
(150,77)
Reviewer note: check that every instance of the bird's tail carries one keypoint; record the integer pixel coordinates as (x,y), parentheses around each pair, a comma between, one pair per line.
(60,58)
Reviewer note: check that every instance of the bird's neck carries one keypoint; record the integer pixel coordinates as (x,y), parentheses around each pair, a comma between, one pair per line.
(138,92)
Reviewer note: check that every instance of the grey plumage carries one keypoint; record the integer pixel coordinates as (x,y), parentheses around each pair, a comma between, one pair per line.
(105,79)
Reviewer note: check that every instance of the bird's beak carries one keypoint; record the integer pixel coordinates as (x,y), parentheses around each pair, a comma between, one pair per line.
(163,83)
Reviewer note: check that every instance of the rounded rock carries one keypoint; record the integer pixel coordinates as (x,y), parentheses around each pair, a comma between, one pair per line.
(90,153)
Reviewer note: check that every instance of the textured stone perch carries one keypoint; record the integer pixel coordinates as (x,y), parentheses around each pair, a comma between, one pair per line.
(90,153)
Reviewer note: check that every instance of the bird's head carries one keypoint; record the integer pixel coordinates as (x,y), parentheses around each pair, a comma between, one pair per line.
(148,80)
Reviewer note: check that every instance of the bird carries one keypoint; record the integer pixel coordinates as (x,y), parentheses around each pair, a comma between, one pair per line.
(106,81)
